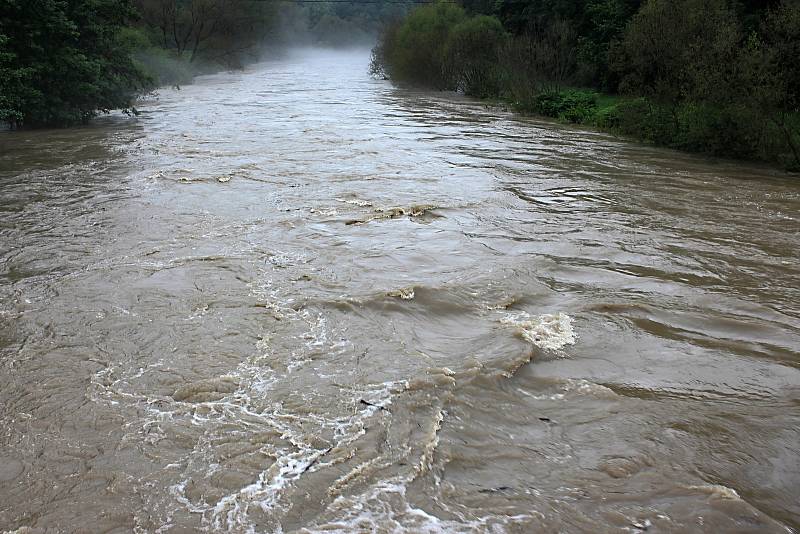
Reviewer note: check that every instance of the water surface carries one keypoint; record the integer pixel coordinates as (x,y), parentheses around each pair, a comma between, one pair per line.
(296,298)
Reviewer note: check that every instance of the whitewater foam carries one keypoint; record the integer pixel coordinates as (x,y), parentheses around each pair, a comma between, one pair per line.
(546,331)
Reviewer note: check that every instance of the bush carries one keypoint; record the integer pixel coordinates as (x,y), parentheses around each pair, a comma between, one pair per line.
(608,116)
(415,52)
(632,116)
(472,54)
(716,130)
(570,106)
(674,50)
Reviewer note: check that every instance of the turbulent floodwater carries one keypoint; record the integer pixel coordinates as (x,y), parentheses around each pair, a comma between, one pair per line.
(298,299)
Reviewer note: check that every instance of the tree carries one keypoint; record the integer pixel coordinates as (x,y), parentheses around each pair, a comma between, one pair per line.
(217,30)
(472,55)
(14,86)
(773,75)
(416,52)
(63,61)
(606,21)
(183,26)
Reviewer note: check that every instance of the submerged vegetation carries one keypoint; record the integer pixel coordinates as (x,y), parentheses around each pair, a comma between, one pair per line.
(720,77)
(64,61)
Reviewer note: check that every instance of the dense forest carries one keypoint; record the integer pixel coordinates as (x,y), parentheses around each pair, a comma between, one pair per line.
(715,76)
(64,61)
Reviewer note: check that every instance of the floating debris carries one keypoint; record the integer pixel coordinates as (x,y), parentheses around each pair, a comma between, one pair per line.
(717,490)
(405,293)
(413,211)
(503,304)
(372,404)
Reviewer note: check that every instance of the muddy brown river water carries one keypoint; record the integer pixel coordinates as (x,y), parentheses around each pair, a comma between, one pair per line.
(297,299)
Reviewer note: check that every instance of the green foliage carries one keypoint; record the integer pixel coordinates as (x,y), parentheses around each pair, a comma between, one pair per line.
(714,76)
(341,24)
(570,106)
(15,87)
(439,45)
(472,53)
(711,87)
(545,58)
(65,60)
(606,22)
(415,53)
(223,32)
(674,49)
(703,127)
(781,34)
(160,65)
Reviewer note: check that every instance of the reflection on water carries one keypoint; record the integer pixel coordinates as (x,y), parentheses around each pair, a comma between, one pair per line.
(298,298)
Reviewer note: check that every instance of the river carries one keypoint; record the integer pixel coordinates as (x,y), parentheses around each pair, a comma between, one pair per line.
(298,299)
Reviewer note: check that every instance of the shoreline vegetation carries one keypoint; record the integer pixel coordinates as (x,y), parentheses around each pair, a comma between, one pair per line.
(716,77)
(63,62)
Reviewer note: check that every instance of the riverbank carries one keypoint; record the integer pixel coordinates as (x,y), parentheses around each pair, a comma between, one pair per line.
(574,106)
(640,120)
(723,81)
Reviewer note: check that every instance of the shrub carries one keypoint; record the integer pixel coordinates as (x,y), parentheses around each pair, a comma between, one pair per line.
(637,117)
(472,56)
(415,53)
(571,106)
(717,130)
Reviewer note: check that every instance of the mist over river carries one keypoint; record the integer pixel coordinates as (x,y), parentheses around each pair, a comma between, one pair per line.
(298,299)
